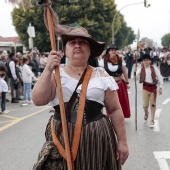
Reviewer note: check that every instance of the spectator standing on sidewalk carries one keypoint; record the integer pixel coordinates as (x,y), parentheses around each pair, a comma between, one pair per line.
(36,62)
(3,89)
(31,64)
(43,62)
(13,78)
(3,60)
(27,76)
(20,83)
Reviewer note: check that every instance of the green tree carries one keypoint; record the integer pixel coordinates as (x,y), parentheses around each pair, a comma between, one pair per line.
(125,35)
(165,40)
(96,16)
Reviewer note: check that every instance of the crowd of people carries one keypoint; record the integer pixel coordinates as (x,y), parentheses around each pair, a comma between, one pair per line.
(18,74)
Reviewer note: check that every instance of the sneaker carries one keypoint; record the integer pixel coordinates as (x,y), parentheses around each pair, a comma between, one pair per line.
(5,112)
(152,124)
(30,102)
(24,104)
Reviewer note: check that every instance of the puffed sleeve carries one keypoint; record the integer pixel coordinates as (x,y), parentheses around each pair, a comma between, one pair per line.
(109,82)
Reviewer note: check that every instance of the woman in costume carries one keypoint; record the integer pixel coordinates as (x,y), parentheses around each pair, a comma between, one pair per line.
(103,144)
(116,67)
(165,64)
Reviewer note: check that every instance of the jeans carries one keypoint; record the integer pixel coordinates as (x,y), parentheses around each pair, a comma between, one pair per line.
(3,101)
(27,91)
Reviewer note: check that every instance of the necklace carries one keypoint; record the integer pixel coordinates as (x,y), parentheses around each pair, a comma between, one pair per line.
(78,73)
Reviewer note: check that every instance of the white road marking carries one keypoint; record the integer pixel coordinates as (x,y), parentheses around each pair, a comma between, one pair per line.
(166,101)
(161,157)
(157,113)
(156,126)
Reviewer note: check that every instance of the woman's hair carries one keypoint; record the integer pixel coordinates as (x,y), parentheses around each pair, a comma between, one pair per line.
(11,55)
(24,60)
(2,68)
(107,58)
(16,60)
(29,57)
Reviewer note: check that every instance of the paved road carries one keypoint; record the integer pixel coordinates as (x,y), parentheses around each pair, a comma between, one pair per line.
(22,135)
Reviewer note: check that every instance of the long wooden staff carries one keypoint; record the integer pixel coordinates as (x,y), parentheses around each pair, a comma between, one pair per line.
(136,82)
(59,90)
(136,93)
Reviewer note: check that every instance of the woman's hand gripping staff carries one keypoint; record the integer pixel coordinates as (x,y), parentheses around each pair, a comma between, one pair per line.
(47,80)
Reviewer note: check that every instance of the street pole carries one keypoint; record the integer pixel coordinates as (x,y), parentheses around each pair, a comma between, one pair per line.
(113,40)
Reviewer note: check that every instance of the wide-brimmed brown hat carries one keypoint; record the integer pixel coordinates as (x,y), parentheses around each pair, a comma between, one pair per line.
(96,47)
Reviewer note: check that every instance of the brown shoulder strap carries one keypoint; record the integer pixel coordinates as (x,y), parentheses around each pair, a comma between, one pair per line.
(78,125)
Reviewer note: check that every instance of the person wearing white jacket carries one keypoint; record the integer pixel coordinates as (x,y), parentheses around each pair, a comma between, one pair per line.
(27,76)
(3,89)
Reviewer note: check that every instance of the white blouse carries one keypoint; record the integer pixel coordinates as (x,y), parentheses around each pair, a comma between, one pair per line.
(95,90)
(112,68)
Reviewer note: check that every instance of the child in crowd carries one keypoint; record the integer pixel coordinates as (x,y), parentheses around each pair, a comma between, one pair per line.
(150,77)
(27,76)
(3,89)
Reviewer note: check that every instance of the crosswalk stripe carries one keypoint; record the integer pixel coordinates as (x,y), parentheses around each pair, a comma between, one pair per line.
(156,126)
(166,101)
(161,157)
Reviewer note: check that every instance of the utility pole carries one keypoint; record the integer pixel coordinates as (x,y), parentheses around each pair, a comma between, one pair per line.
(146,4)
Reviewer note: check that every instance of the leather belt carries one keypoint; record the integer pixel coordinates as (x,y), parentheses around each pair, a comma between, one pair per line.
(92,112)
(148,84)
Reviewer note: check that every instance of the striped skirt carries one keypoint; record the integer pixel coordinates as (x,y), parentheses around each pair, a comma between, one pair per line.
(97,148)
